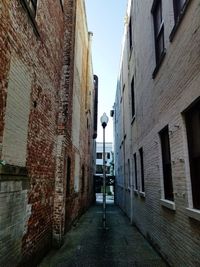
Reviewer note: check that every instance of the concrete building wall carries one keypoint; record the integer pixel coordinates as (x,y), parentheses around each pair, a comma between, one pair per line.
(170,226)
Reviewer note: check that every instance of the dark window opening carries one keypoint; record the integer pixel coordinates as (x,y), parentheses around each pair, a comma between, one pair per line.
(192,117)
(166,161)
(158,30)
(130,34)
(68,175)
(99,155)
(31,6)
(135,167)
(129,174)
(108,155)
(132,98)
(142,168)
(61,3)
(82,179)
(99,169)
(178,6)
(107,169)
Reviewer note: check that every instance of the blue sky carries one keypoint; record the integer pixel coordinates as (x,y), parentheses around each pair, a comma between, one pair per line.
(106,20)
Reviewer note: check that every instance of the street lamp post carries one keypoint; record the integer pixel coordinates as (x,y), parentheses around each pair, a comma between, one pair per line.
(104,121)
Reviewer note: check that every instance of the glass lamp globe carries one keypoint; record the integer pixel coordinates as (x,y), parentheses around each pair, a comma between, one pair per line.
(104,120)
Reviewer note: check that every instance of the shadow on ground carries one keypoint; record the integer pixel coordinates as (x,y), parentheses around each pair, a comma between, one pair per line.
(88,245)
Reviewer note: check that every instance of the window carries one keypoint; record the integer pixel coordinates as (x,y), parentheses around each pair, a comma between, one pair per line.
(166,162)
(135,167)
(141,168)
(108,155)
(107,169)
(158,30)
(68,175)
(130,34)
(129,174)
(82,179)
(99,155)
(178,6)
(192,117)
(62,4)
(132,98)
(31,6)
(99,169)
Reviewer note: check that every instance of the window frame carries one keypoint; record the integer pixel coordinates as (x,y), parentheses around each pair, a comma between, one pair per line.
(82,179)
(166,165)
(68,176)
(178,18)
(141,153)
(194,107)
(31,10)
(135,170)
(99,166)
(158,35)
(132,98)
(31,14)
(62,5)
(99,153)
(130,34)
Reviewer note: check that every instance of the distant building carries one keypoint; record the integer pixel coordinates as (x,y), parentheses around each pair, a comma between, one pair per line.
(48,113)
(109,160)
(157,126)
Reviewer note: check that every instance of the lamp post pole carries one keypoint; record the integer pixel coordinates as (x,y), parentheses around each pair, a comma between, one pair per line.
(104,121)
(104,182)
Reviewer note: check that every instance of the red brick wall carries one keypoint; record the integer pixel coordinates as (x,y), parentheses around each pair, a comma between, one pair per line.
(47,51)
(42,55)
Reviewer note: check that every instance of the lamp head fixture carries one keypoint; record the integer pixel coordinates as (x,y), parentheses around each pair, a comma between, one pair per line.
(104,120)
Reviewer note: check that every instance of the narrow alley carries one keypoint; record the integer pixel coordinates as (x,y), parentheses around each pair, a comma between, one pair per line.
(87,244)
(99,98)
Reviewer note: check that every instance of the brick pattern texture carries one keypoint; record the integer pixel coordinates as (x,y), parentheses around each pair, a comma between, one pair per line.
(159,102)
(44,48)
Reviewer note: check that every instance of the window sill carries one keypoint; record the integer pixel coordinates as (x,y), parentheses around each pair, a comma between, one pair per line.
(193,213)
(142,194)
(168,204)
(159,64)
(178,22)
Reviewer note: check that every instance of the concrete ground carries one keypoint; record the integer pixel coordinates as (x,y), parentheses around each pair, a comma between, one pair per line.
(88,245)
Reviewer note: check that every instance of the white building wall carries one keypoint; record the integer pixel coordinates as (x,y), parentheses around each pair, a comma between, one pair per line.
(159,102)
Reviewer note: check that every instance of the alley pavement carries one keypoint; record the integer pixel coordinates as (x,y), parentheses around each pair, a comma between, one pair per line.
(88,245)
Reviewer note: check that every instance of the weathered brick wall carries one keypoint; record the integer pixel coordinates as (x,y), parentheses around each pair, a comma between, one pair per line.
(159,102)
(32,205)
(74,136)
(64,122)
(14,212)
(39,57)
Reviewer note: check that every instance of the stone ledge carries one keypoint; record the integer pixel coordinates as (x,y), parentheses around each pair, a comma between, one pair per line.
(193,213)
(10,172)
(142,194)
(168,204)
(13,170)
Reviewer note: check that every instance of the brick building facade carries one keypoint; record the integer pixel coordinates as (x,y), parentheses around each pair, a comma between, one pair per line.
(157,126)
(47,107)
